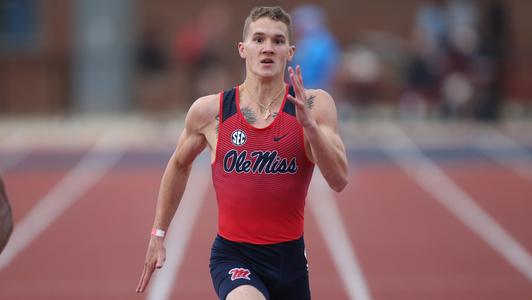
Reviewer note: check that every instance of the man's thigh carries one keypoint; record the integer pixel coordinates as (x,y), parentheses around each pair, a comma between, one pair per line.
(245,292)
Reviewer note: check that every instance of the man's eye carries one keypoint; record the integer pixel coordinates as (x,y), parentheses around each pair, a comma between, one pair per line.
(258,40)
(279,42)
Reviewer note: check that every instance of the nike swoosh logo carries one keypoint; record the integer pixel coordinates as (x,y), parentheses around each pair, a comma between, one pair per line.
(276,139)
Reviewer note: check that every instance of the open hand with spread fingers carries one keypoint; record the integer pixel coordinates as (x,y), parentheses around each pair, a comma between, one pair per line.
(303,115)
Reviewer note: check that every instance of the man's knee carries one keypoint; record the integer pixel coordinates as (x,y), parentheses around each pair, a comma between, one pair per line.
(245,292)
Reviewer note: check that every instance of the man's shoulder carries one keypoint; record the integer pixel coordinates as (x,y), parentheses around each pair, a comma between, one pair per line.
(205,106)
(207,101)
(203,111)
(321,105)
(318,99)
(317,92)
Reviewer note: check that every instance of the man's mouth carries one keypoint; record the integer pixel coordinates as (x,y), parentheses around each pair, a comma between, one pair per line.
(266,61)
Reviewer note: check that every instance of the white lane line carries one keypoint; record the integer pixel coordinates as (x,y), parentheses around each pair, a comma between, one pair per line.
(517,158)
(66,192)
(180,229)
(431,178)
(323,206)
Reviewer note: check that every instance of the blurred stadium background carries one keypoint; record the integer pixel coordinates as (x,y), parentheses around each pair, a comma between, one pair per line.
(83,57)
(435,103)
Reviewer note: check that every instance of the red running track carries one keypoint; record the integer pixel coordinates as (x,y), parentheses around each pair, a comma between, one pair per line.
(408,246)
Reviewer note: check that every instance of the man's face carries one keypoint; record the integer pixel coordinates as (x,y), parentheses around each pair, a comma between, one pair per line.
(266,48)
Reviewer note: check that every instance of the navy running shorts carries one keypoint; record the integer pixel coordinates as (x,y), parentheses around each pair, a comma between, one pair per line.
(278,271)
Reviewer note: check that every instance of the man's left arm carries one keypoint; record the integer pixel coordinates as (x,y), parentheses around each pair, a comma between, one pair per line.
(316,112)
(6,219)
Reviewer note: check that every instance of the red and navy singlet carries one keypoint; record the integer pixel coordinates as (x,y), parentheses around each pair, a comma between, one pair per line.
(261,176)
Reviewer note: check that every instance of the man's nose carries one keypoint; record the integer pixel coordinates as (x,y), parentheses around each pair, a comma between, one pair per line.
(267,47)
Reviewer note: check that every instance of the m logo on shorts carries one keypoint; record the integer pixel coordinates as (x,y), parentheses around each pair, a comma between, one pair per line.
(238,137)
(239,273)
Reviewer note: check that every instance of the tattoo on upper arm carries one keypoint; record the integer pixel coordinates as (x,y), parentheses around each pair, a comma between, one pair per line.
(217,118)
(274,115)
(310,101)
(249,115)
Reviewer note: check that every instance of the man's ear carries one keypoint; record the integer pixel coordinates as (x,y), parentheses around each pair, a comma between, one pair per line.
(241,50)
(291,52)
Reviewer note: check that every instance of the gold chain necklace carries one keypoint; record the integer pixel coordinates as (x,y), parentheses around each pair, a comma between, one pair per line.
(267,108)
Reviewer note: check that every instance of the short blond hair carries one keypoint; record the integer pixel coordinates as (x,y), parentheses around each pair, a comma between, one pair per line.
(275,13)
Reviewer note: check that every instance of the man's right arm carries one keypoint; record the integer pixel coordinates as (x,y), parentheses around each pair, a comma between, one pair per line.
(175,176)
(191,142)
(6,219)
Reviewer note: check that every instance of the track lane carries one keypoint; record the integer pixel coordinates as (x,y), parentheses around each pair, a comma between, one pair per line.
(412,248)
(95,250)
(325,281)
(193,280)
(29,181)
(435,258)
(504,194)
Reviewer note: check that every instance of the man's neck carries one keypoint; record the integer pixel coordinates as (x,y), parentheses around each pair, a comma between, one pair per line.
(263,91)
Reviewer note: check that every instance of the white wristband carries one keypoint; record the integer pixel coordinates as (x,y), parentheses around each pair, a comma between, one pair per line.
(158,232)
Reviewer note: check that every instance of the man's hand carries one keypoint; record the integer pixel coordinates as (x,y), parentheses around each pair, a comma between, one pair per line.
(155,258)
(300,100)
(325,146)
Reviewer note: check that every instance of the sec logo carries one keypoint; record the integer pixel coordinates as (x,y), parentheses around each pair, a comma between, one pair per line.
(238,137)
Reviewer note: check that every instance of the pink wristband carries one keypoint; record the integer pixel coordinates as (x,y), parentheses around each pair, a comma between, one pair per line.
(158,232)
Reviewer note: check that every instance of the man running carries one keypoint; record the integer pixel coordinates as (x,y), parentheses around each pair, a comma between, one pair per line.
(265,137)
